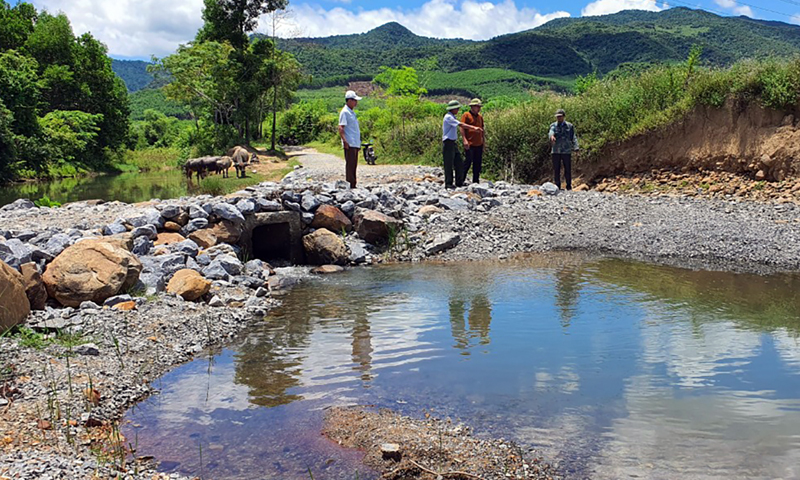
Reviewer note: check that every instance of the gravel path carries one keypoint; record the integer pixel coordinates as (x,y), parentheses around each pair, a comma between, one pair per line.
(325,167)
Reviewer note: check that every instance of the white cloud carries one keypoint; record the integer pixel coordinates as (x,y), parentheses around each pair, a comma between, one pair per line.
(134,28)
(735,7)
(796,19)
(437,18)
(606,7)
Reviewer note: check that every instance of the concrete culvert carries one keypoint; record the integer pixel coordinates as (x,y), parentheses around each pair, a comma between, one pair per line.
(275,238)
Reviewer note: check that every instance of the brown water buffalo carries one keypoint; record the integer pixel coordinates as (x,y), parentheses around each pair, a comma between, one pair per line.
(241,158)
(223,165)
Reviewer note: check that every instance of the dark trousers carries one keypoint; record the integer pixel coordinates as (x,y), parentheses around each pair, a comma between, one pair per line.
(351,163)
(452,163)
(566,160)
(475,160)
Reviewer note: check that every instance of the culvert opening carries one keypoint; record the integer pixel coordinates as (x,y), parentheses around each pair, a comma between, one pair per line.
(273,243)
(276,238)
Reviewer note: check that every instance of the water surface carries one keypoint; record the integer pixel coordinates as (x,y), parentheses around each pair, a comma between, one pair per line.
(126,187)
(614,369)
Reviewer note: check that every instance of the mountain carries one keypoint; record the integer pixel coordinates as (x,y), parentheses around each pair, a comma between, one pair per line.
(561,48)
(133,73)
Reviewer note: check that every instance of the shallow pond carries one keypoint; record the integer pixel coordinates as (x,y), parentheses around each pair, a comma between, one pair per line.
(612,368)
(125,187)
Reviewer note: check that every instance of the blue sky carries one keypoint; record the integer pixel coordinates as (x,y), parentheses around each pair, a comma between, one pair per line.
(140,28)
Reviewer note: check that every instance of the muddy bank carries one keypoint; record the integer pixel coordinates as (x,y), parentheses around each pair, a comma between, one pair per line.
(404,448)
(748,140)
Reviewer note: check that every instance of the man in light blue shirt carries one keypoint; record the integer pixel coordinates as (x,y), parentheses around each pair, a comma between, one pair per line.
(452,157)
(350,133)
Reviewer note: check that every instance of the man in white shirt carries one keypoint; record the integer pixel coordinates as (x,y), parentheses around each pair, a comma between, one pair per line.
(350,132)
(452,157)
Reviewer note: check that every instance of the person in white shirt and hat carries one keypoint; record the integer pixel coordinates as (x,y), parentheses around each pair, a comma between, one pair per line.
(452,157)
(350,133)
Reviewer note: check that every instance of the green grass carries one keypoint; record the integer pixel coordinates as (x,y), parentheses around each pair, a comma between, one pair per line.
(150,160)
(216,185)
(28,338)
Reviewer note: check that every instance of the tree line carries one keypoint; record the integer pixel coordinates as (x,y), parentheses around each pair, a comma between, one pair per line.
(62,108)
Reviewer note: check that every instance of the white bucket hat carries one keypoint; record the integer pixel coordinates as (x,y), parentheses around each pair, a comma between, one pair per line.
(351,95)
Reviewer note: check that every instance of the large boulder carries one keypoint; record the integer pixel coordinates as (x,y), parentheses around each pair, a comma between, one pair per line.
(204,238)
(34,286)
(14,305)
(189,284)
(374,227)
(91,270)
(330,217)
(324,247)
(227,231)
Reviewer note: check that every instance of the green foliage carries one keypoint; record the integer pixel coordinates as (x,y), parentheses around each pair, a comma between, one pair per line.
(305,121)
(585,82)
(68,110)
(402,82)
(154,99)
(46,202)
(71,135)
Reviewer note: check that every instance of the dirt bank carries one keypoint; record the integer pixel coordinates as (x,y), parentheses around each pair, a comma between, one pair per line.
(749,140)
(404,448)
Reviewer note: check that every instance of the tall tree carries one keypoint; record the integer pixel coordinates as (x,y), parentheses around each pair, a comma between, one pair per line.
(232,21)
(16,24)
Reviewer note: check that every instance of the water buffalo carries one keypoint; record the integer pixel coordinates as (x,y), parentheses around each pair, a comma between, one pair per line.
(210,165)
(241,158)
(193,165)
(223,165)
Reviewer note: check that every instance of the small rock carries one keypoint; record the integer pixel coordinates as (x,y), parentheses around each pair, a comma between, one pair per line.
(216,302)
(117,300)
(550,188)
(327,269)
(391,451)
(88,349)
(442,242)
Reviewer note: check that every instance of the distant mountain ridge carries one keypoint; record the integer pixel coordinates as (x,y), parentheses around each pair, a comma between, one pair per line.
(563,47)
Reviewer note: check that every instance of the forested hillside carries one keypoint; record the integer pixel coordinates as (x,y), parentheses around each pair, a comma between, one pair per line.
(563,47)
(133,72)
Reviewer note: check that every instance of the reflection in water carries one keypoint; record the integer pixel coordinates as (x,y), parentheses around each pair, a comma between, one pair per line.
(469,291)
(126,187)
(617,369)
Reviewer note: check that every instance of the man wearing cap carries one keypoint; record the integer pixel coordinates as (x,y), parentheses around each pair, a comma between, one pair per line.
(564,141)
(473,141)
(452,157)
(350,132)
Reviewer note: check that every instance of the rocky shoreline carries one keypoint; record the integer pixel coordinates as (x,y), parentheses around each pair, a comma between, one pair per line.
(65,382)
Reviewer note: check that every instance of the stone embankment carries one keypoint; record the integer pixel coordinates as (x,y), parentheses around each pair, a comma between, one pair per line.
(121,293)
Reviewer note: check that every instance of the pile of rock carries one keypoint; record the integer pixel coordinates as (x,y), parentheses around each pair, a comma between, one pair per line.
(186,246)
